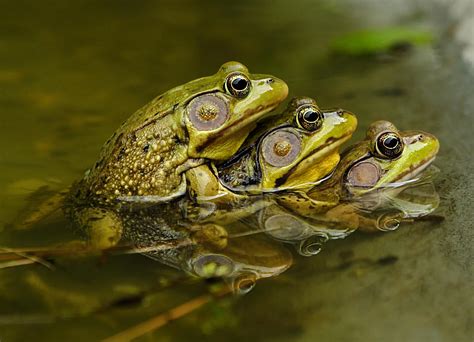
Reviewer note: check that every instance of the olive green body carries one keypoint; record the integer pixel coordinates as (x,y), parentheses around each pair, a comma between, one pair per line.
(201,120)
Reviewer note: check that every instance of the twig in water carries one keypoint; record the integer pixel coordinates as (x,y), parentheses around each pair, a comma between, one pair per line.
(164,318)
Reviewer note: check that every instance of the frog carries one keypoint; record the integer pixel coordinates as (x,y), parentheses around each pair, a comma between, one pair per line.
(385,160)
(145,159)
(292,150)
(315,136)
(204,119)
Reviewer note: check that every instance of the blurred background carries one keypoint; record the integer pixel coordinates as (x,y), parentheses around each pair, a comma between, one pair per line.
(71,72)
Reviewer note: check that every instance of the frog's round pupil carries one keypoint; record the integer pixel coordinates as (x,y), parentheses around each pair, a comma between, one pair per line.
(311,116)
(239,83)
(390,142)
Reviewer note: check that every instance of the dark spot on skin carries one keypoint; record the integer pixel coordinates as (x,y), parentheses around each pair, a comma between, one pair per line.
(387,260)
(121,153)
(200,174)
(146,148)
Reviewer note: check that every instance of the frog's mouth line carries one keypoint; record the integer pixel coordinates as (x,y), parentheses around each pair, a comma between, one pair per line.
(415,170)
(331,142)
(405,178)
(239,124)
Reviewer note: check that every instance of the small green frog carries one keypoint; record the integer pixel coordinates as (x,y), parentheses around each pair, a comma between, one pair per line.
(385,158)
(205,119)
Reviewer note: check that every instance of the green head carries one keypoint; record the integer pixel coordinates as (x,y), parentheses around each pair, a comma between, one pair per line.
(223,108)
(295,153)
(387,157)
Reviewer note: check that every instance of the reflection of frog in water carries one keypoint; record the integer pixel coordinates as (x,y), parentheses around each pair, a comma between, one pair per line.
(164,233)
(309,231)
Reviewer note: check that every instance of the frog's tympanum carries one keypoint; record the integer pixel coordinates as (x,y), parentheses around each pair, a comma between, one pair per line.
(205,119)
(385,158)
(292,150)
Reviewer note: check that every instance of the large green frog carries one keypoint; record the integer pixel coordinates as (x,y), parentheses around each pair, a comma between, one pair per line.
(205,119)
(293,150)
(386,158)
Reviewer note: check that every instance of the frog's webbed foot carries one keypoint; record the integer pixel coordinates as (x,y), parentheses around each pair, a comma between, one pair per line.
(42,204)
(102,227)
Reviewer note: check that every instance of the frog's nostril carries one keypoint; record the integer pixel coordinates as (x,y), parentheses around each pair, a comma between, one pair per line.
(270,81)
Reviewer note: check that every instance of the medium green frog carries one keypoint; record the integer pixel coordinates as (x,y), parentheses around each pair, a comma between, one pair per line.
(205,119)
(294,150)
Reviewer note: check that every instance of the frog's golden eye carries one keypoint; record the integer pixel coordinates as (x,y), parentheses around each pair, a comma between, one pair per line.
(309,118)
(281,148)
(207,112)
(389,145)
(237,85)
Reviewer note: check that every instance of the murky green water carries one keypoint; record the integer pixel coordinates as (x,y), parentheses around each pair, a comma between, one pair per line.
(71,73)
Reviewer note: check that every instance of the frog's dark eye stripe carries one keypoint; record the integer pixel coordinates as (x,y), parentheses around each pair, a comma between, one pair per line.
(237,85)
(309,118)
(389,145)
(207,112)
(281,148)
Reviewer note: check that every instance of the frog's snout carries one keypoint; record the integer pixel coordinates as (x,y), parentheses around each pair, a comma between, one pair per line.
(423,138)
